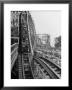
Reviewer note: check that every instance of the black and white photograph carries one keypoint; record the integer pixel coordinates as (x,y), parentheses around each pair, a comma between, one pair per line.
(35,44)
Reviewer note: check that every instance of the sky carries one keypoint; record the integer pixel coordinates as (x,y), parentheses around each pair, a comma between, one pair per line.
(47,22)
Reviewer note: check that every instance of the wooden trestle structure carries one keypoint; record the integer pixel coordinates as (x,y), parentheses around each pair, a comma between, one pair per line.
(25,54)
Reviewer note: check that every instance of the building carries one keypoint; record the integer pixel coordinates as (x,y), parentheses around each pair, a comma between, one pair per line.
(38,40)
(43,40)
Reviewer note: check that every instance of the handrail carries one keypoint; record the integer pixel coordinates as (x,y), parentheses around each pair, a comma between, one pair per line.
(14,55)
(14,46)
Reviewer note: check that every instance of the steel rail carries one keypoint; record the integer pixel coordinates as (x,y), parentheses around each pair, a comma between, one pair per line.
(52,73)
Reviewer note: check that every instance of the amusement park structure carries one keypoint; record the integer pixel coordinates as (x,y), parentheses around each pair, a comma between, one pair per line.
(26,61)
(24,32)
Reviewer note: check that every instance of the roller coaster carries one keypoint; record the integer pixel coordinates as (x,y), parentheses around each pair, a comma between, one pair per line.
(24,56)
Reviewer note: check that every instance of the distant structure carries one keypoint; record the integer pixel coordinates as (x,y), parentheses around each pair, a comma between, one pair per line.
(38,40)
(43,40)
